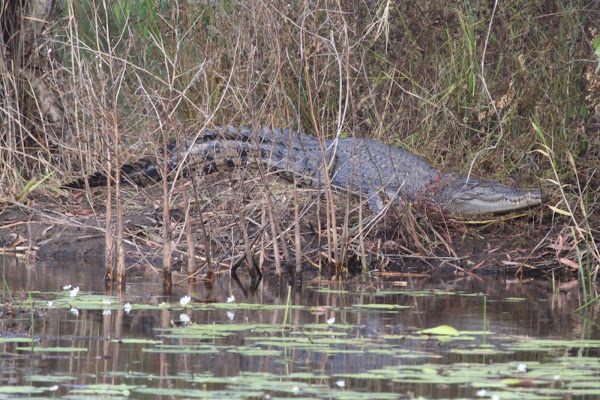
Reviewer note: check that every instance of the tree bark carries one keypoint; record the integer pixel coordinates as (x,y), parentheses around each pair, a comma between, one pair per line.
(31,112)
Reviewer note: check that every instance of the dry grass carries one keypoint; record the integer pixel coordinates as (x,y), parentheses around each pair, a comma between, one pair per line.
(470,87)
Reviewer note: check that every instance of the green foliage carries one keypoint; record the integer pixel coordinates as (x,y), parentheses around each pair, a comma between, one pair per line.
(143,14)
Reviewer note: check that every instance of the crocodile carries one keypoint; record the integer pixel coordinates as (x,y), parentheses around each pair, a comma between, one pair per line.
(364,166)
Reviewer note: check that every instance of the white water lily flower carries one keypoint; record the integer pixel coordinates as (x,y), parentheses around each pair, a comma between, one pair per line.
(231,299)
(185,319)
(74,311)
(74,292)
(50,304)
(230,315)
(522,367)
(127,307)
(106,302)
(340,383)
(495,397)
(163,304)
(331,321)
(185,300)
(67,287)
(106,312)
(481,392)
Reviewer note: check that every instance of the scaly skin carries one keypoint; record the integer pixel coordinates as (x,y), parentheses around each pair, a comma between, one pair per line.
(360,165)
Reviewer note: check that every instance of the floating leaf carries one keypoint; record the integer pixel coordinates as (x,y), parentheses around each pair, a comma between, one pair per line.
(21,389)
(138,341)
(53,349)
(442,330)
(381,306)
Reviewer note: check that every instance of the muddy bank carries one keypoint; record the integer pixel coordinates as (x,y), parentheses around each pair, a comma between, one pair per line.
(71,227)
(44,236)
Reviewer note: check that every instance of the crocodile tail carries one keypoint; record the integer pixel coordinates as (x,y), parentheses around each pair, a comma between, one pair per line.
(224,148)
(94,180)
(206,155)
(141,173)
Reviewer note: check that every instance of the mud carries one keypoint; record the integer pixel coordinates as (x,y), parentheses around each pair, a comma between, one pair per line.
(31,231)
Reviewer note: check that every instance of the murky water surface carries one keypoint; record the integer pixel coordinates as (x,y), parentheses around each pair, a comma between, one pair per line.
(362,339)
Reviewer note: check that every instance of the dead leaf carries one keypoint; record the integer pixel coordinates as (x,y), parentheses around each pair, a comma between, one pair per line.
(571,264)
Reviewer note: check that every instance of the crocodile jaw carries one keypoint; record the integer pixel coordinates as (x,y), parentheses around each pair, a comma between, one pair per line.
(495,204)
(475,197)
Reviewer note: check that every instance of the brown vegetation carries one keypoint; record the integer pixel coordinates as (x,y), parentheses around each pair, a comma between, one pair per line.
(506,90)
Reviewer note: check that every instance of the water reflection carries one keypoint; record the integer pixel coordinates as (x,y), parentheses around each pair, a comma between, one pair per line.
(372,338)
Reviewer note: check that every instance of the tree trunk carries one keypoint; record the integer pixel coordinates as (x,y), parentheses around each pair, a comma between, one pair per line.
(30,108)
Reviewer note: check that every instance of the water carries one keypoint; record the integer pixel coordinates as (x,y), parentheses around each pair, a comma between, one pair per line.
(360,339)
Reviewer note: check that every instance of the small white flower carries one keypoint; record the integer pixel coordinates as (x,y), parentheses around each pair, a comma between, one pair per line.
(495,397)
(50,304)
(106,312)
(230,315)
(106,302)
(522,367)
(481,392)
(296,389)
(67,287)
(74,292)
(53,388)
(556,377)
(340,383)
(231,299)
(185,300)
(74,311)
(163,304)
(127,307)
(331,321)
(184,319)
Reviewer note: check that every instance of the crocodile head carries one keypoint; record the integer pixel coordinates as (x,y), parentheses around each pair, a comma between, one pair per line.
(472,197)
